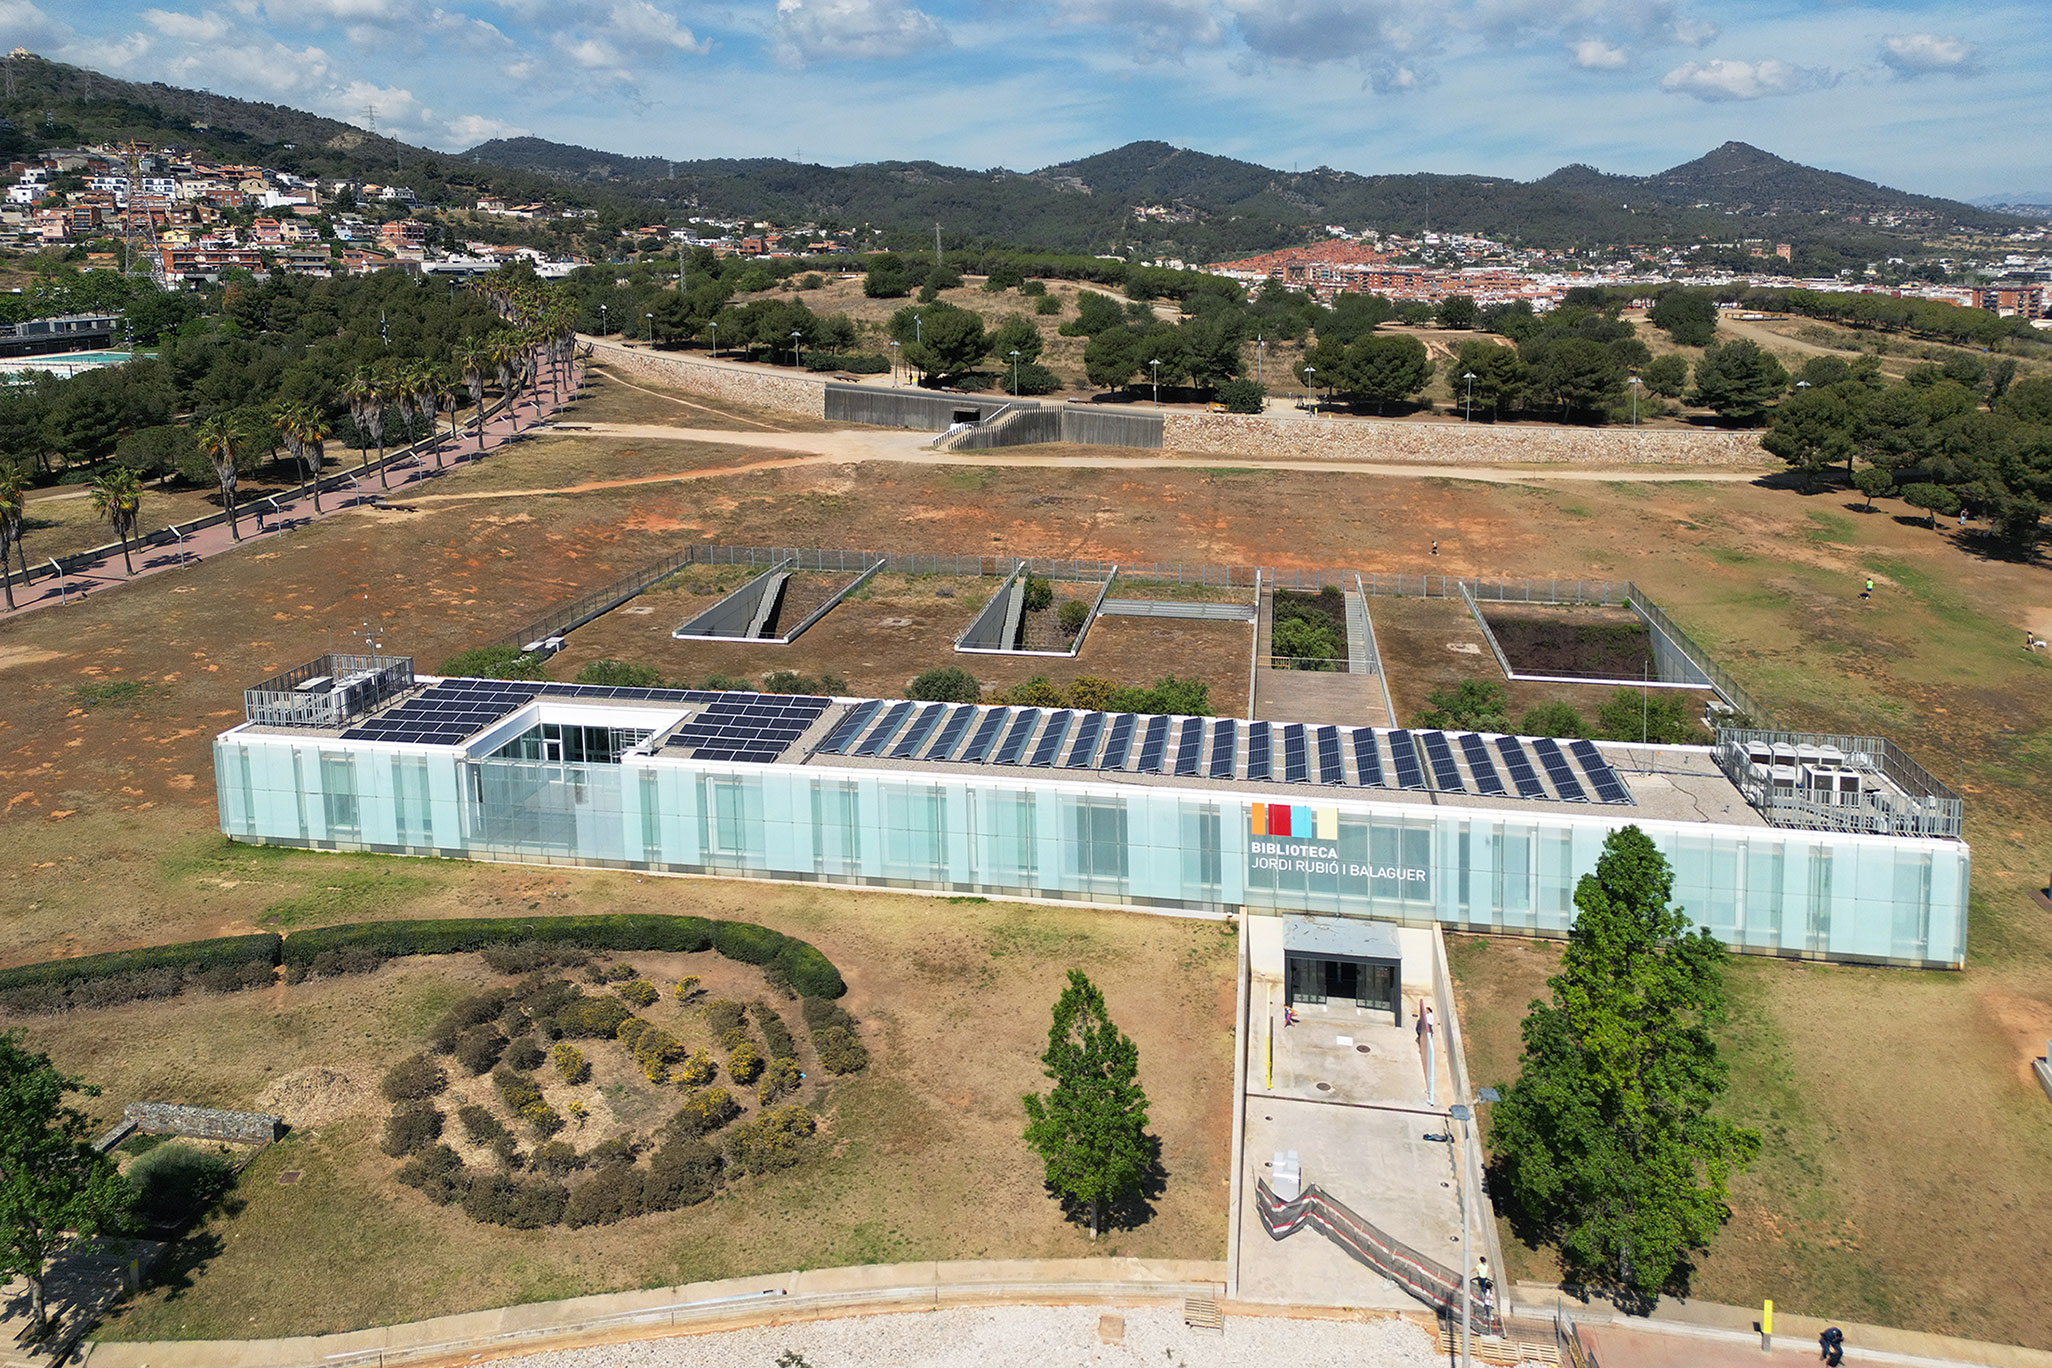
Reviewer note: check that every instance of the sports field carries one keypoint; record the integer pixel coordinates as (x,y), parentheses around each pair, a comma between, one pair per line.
(1909,1168)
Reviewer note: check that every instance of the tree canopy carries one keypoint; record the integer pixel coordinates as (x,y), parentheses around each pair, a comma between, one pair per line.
(1090,1130)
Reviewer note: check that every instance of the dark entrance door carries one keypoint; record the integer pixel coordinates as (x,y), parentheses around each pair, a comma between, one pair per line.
(1362,982)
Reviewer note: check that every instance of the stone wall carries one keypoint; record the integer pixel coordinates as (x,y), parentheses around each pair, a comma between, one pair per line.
(1396,441)
(748,385)
(203,1123)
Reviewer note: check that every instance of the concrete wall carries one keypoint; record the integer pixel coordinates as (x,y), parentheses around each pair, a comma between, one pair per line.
(751,385)
(1303,438)
(919,410)
(203,1123)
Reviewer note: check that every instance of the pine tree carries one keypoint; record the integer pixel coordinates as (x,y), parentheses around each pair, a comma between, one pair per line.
(1091,1128)
(1607,1138)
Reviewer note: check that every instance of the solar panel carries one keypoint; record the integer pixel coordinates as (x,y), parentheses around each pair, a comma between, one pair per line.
(1118,743)
(1330,770)
(1367,759)
(1189,745)
(1296,759)
(1015,739)
(986,735)
(885,729)
(951,734)
(1609,788)
(1225,734)
(1153,745)
(1087,731)
(1051,739)
(1260,758)
(1480,765)
(1403,752)
(916,734)
(1520,766)
(1446,775)
(1558,770)
(756,728)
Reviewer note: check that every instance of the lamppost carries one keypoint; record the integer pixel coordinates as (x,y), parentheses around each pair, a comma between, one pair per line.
(716,339)
(1462,1113)
(1311,386)
(1260,349)
(795,335)
(605,322)
(1635,382)
(651,328)
(1155,366)
(894,362)
(1015,372)
(1470,378)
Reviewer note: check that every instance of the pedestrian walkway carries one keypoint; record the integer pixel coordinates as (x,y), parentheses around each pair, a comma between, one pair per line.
(267,518)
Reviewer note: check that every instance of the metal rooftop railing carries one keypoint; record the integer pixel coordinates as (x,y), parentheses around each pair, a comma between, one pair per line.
(1823,782)
(328,691)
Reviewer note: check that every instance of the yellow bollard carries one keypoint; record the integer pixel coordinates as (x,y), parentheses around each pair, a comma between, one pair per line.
(1767,1326)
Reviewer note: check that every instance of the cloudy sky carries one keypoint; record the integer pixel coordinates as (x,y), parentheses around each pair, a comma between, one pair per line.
(1946,98)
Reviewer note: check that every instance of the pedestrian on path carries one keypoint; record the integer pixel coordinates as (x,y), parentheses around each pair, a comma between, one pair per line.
(1868,592)
(1831,1345)
(1435,546)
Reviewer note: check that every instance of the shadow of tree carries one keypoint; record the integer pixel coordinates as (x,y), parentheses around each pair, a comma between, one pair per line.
(1579,1282)
(1130,1210)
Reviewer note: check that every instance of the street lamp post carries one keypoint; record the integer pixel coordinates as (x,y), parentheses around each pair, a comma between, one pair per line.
(1260,350)
(716,339)
(651,328)
(1635,382)
(1155,366)
(1015,372)
(1311,386)
(1470,378)
(894,362)
(795,335)
(605,321)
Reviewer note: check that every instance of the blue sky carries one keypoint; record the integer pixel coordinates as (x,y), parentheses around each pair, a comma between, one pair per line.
(1944,98)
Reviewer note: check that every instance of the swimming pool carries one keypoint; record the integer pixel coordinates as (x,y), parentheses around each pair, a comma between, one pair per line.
(14,370)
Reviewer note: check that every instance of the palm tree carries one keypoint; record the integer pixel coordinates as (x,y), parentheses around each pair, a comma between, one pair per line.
(473,359)
(446,401)
(505,353)
(294,420)
(13,487)
(117,497)
(366,397)
(219,442)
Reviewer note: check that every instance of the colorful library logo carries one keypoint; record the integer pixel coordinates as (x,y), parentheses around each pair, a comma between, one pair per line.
(1299,823)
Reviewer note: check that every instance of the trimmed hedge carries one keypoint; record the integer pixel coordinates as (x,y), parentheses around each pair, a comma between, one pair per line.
(393,939)
(223,965)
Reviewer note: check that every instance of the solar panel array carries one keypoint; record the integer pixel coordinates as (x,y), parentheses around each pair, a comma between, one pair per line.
(756,728)
(1228,749)
(451,711)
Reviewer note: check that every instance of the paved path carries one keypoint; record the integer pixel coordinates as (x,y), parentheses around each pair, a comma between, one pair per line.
(266,518)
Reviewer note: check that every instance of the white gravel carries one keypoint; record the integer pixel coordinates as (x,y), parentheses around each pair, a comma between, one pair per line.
(1021,1337)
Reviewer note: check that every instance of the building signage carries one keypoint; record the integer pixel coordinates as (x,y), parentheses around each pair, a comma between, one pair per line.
(1288,843)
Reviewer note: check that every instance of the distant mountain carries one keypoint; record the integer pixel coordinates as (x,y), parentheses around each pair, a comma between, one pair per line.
(2036,199)
(1215,206)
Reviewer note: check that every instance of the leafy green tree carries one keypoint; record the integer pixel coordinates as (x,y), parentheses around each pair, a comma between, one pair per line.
(1654,716)
(13,489)
(886,277)
(1113,358)
(1243,396)
(1584,378)
(1016,333)
(1095,313)
(1090,1130)
(53,1184)
(1607,1142)
(620,674)
(1499,375)
(1556,717)
(1873,482)
(946,341)
(945,684)
(1038,596)
(1667,376)
(1815,429)
(1475,705)
(1354,316)
(1458,311)
(1385,368)
(1686,316)
(1738,380)
(1934,499)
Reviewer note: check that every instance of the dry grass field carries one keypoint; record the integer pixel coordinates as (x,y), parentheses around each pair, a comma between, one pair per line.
(1908,1176)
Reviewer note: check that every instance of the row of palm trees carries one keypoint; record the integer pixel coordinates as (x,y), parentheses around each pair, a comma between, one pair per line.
(544,330)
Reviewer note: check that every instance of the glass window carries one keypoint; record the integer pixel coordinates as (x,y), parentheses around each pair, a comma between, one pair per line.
(1203,839)
(338,795)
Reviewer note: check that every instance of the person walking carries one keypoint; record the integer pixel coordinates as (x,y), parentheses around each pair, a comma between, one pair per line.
(1831,1347)
(1868,592)
(1435,546)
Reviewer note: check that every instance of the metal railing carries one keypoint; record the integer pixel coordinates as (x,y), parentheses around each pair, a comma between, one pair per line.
(1912,802)
(357,684)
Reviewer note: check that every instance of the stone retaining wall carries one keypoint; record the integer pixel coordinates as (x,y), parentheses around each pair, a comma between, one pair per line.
(1396,441)
(203,1123)
(762,389)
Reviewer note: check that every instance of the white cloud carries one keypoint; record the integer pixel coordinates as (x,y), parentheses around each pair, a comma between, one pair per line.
(1924,54)
(1381,31)
(1593,54)
(827,30)
(23,23)
(643,22)
(1721,79)
(1156,29)
(468,130)
(210,27)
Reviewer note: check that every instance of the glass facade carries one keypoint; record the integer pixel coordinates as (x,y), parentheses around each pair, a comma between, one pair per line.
(1766,889)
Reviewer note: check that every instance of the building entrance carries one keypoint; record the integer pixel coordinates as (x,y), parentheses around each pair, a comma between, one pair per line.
(1366,983)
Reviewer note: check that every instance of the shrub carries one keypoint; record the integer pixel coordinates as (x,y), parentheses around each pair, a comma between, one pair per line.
(728,1021)
(631,1030)
(656,1050)
(480,1125)
(175,1181)
(773,1029)
(620,973)
(464,1014)
(438,1172)
(773,1140)
(1046,305)
(945,684)
(703,1111)
(618,1149)
(518,1090)
(223,964)
(541,1118)
(1039,594)
(592,1016)
(1034,378)
(640,993)
(779,1077)
(689,989)
(556,1158)
(1243,396)
(1662,719)
(744,1063)
(1071,616)
(479,1048)
(1475,705)
(410,1080)
(391,939)
(620,674)
(529,1204)
(1555,718)
(524,1054)
(494,662)
(541,997)
(571,1064)
(697,1070)
(840,1052)
(613,1193)
(680,1174)
(525,957)
(409,1130)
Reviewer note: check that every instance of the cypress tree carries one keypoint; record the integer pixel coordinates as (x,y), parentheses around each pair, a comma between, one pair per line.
(1091,1128)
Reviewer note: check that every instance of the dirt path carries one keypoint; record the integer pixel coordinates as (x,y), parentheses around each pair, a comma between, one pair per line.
(618,379)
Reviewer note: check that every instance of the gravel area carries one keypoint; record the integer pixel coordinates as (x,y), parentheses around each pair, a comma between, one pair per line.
(1023,1337)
